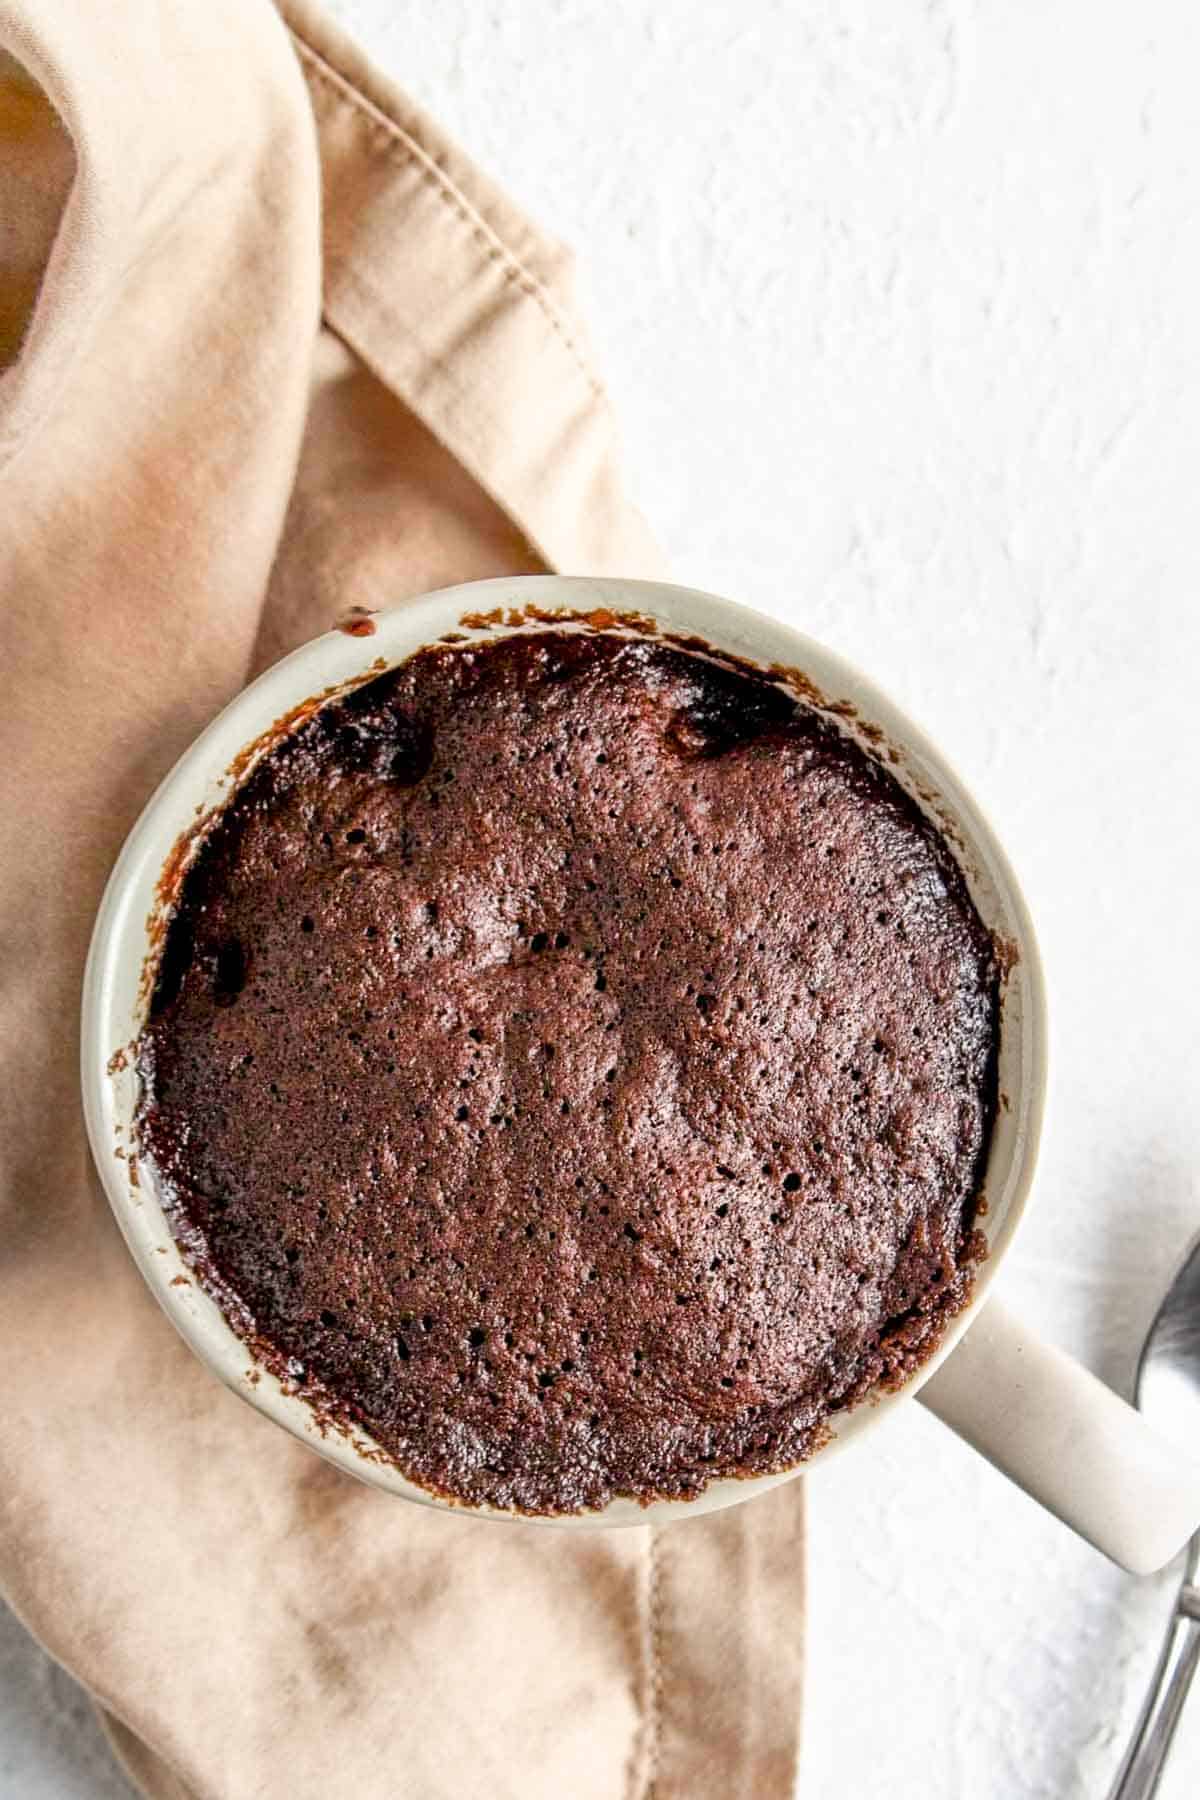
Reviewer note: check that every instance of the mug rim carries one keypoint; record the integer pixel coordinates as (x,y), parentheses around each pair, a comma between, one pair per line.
(123,949)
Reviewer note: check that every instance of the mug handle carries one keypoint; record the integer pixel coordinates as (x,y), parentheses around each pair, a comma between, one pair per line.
(1059,1433)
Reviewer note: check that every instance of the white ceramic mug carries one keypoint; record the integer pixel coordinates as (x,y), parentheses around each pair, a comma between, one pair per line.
(1036,1414)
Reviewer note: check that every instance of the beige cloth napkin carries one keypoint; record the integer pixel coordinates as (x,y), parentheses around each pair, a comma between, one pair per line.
(269,346)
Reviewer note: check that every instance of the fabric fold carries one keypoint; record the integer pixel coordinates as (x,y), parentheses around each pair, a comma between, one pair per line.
(486,347)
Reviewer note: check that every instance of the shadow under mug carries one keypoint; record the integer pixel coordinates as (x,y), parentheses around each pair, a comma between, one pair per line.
(1032,1411)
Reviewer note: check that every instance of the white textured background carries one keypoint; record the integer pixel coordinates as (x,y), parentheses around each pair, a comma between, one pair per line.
(900,306)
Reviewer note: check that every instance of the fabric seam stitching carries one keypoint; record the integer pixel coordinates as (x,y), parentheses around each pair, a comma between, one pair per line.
(654,1673)
(497,250)
(344,330)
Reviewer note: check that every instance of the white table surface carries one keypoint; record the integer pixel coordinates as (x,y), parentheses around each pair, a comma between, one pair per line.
(900,306)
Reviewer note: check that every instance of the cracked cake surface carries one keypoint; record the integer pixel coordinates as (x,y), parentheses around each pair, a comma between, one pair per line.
(573,1058)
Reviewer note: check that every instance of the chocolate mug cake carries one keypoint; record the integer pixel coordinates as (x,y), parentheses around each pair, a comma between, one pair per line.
(572,1057)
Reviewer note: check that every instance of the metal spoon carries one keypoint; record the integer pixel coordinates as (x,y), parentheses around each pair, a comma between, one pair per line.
(1168,1392)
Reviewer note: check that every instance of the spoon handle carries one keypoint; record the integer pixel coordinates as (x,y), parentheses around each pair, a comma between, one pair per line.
(1146,1757)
